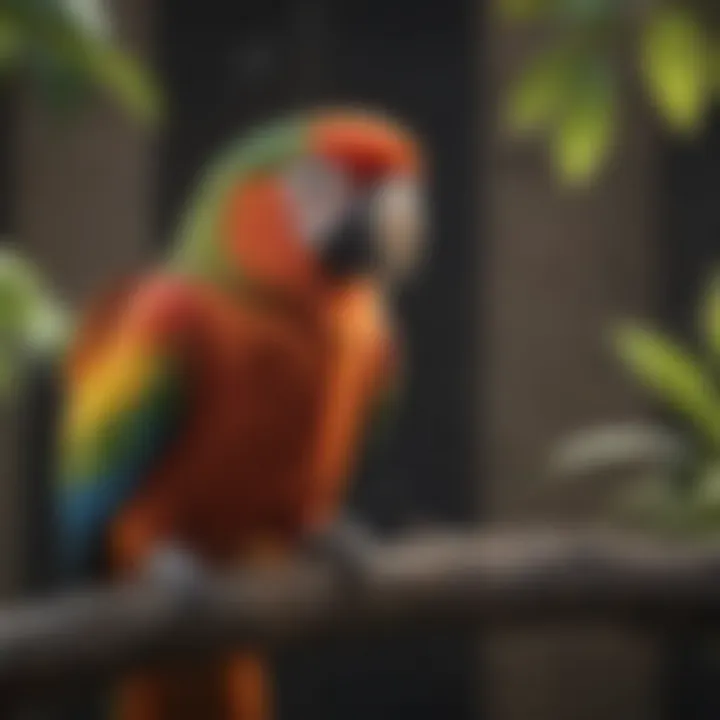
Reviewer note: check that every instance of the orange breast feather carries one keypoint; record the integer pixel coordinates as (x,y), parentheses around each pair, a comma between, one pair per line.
(241,468)
(274,410)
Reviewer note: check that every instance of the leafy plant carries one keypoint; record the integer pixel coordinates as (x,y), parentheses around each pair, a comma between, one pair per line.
(676,466)
(32,321)
(67,49)
(571,92)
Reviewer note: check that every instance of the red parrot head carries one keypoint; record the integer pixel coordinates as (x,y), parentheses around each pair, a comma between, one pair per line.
(329,194)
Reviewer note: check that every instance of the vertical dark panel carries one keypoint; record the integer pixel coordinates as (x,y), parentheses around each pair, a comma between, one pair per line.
(8,444)
(692,237)
(231,65)
(7,194)
(416,61)
(38,464)
(234,63)
(692,250)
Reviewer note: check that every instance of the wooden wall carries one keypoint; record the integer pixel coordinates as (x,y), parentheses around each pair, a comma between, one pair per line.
(559,268)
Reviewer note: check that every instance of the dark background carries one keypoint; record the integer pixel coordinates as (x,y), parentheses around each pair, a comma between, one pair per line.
(691,182)
(691,177)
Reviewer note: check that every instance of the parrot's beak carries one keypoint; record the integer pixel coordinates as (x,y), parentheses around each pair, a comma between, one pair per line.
(381,223)
(348,249)
(399,228)
(382,233)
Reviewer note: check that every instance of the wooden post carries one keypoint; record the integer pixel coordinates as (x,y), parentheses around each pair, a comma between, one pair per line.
(560,267)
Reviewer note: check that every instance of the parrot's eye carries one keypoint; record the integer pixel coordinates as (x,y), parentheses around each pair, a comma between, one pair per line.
(320,194)
(400,224)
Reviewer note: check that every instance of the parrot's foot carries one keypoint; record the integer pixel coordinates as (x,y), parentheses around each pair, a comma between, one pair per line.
(178,570)
(348,546)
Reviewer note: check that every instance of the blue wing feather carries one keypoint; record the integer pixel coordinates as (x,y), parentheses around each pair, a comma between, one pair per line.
(87,502)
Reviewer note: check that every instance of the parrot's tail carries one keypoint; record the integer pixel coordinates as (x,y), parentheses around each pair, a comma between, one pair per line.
(249,689)
(237,689)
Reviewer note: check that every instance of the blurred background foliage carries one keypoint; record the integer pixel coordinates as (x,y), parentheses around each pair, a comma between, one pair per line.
(675,484)
(33,322)
(571,93)
(67,49)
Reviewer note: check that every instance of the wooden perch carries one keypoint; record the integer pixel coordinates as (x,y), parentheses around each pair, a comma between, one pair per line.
(495,577)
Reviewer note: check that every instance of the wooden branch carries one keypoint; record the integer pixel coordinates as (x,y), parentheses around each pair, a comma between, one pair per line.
(496,577)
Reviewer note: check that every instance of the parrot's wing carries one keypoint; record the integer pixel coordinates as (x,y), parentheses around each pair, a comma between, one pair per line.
(123,406)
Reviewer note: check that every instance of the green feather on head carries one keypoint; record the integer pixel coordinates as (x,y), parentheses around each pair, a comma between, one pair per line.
(196,249)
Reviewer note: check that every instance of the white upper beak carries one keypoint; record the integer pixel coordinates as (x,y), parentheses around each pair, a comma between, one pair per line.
(399,227)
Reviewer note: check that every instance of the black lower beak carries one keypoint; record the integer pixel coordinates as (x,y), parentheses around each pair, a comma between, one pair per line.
(349,248)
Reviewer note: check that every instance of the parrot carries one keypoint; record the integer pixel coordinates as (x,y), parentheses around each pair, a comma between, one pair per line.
(215,407)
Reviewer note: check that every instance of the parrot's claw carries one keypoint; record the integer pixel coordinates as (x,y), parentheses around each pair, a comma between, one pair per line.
(348,546)
(178,570)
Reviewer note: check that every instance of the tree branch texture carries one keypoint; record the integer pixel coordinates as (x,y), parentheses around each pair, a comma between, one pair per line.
(497,577)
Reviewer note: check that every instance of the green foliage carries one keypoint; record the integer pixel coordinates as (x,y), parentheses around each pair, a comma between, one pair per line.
(11,43)
(677,470)
(673,375)
(709,317)
(676,66)
(570,93)
(524,9)
(572,11)
(124,77)
(32,321)
(540,93)
(67,49)
(585,131)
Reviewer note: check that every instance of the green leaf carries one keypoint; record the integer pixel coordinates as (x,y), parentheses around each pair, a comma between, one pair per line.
(673,375)
(48,328)
(19,289)
(126,80)
(523,10)
(676,66)
(30,317)
(709,320)
(12,42)
(115,71)
(540,91)
(584,134)
(69,49)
